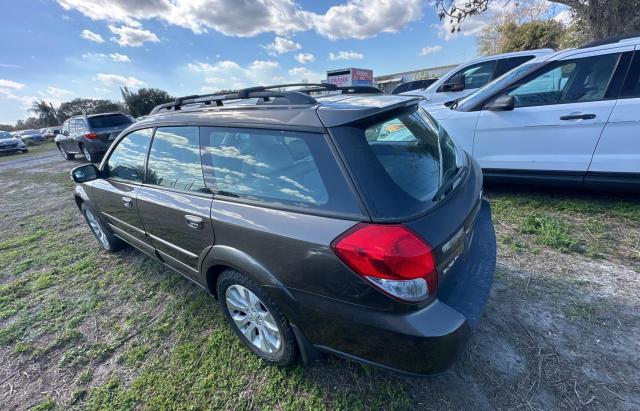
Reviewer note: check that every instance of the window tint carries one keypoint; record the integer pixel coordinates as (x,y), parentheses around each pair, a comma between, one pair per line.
(505,65)
(174,160)
(632,84)
(476,75)
(111,120)
(568,81)
(127,159)
(287,168)
(400,164)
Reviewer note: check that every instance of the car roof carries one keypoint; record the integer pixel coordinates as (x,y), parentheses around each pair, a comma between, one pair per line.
(536,52)
(95,115)
(322,111)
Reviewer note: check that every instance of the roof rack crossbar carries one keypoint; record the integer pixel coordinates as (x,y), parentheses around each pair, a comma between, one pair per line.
(267,94)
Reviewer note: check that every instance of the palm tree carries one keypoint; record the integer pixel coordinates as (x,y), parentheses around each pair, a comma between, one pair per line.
(45,112)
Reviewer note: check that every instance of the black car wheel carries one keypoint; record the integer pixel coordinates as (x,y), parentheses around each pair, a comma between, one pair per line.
(256,319)
(106,240)
(24,150)
(92,158)
(64,153)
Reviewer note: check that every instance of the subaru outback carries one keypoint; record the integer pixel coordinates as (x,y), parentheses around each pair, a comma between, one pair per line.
(346,223)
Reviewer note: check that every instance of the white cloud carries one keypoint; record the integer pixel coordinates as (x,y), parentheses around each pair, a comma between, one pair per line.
(132,36)
(120,58)
(55,93)
(565,17)
(228,75)
(304,58)
(93,56)
(10,84)
(353,19)
(361,19)
(120,81)
(91,36)
(429,50)
(346,55)
(281,45)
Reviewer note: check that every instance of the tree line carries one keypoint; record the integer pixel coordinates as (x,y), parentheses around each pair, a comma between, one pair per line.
(134,102)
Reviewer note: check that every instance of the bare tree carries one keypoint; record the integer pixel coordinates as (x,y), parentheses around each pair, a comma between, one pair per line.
(603,18)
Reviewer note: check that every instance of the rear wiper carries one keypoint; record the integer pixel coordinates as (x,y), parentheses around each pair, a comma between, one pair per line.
(446,187)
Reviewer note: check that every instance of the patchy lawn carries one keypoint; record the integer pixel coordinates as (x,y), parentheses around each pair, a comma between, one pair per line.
(81,328)
(37,150)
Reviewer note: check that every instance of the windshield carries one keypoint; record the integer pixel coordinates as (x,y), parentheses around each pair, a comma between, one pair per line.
(494,86)
(4,134)
(111,120)
(401,164)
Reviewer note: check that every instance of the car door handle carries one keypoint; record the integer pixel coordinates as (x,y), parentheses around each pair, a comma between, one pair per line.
(578,117)
(194,222)
(127,201)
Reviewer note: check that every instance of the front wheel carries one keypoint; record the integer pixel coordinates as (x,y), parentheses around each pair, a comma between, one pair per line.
(256,319)
(107,240)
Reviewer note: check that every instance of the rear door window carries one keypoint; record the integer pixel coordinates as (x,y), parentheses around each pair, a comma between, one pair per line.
(111,120)
(275,167)
(401,163)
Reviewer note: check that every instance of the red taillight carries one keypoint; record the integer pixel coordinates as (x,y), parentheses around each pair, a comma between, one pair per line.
(91,136)
(392,257)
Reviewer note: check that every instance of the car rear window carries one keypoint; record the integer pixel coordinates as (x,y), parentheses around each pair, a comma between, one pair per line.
(275,167)
(401,164)
(111,120)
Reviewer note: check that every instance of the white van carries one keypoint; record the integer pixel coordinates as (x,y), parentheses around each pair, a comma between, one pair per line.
(468,77)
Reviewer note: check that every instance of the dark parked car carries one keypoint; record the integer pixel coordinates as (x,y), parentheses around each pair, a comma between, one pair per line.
(31,137)
(413,85)
(90,135)
(349,224)
(11,144)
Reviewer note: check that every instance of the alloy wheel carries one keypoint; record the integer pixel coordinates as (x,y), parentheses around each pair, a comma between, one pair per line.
(97,229)
(253,319)
(87,154)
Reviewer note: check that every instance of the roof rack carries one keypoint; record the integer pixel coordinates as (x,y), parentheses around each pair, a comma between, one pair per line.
(610,40)
(269,94)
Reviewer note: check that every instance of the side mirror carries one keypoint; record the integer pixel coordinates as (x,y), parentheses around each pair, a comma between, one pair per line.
(454,84)
(82,174)
(503,103)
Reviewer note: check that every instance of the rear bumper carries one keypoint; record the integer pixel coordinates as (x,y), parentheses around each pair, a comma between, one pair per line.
(96,146)
(423,342)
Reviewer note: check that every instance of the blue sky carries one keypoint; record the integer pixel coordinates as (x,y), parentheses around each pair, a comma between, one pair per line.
(61,49)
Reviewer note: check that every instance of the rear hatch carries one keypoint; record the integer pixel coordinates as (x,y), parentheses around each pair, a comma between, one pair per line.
(108,127)
(409,171)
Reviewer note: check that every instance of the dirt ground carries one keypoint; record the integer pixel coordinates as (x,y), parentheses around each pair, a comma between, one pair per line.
(80,328)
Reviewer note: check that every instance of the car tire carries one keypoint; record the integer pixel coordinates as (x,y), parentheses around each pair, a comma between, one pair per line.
(105,238)
(261,317)
(24,150)
(64,153)
(92,158)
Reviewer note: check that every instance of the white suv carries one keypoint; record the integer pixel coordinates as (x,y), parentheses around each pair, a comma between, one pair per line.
(570,117)
(470,76)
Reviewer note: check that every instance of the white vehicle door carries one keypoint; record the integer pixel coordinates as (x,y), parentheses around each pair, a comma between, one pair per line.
(618,150)
(558,114)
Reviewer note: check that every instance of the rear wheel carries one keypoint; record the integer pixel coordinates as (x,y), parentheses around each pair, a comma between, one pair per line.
(256,319)
(106,240)
(92,158)
(64,153)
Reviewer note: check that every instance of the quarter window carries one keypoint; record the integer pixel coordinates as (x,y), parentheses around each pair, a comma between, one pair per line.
(568,81)
(174,160)
(632,85)
(476,75)
(127,159)
(287,168)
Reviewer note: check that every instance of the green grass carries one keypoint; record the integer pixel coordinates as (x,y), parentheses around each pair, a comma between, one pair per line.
(46,147)
(549,231)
